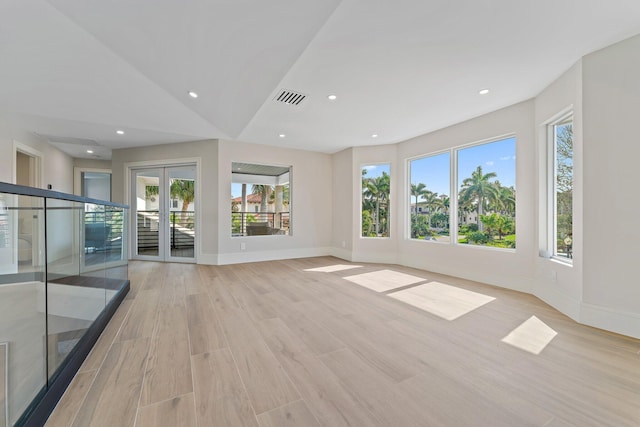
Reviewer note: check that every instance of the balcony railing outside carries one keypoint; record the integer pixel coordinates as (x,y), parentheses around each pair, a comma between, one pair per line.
(259,223)
(63,269)
(181,231)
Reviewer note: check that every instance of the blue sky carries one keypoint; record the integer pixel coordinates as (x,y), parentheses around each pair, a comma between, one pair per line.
(236,190)
(498,157)
(374,171)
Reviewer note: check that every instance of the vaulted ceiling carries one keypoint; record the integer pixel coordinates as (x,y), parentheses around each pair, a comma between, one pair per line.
(76,71)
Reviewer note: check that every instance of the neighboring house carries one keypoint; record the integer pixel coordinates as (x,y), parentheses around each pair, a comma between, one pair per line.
(253,203)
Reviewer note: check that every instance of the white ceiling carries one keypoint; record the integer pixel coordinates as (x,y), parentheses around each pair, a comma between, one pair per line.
(75,71)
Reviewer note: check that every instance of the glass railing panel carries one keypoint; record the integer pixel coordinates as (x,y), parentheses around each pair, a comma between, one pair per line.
(116,262)
(22,304)
(62,259)
(75,294)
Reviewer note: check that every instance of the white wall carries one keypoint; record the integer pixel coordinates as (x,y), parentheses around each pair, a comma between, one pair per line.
(611,93)
(558,283)
(344,219)
(58,166)
(311,204)
(506,268)
(57,171)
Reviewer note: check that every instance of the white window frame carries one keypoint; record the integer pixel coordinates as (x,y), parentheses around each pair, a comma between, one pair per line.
(551,189)
(389,212)
(454,190)
(452,210)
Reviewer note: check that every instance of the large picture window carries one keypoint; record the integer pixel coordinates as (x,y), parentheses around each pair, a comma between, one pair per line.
(562,193)
(260,200)
(487,194)
(376,188)
(479,207)
(429,197)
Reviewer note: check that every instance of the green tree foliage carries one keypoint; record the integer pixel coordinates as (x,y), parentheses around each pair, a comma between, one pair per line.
(184,190)
(497,224)
(564,181)
(375,200)
(478,191)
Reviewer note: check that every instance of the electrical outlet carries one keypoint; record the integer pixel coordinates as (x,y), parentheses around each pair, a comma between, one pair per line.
(554,276)
(344,244)
(243,246)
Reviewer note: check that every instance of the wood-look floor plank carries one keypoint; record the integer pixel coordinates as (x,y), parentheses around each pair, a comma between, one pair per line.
(66,409)
(205,330)
(318,339)
(266,382)
(101,347)
(220,398)
(254,305)
(168,372)
(364,341)
(142,317)
(113,397)
(294,414)
(269,339)
(331,404)
(369,386)
(176,412)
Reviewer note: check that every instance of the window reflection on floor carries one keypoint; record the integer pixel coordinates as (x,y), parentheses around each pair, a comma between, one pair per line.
(533,336)
(384,280)
(333,268)
(448,302)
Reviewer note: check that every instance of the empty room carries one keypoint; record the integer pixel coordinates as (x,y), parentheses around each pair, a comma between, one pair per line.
(305,213)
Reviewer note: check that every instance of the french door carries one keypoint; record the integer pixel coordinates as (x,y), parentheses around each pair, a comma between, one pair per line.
(163,202)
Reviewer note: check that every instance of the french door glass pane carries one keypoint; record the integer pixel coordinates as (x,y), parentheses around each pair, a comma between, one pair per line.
(147,206)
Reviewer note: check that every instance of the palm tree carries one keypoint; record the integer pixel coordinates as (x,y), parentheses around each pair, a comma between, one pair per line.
(418,190)
(185,190)
(377,190)
(265,192)
(433,203)
(505,201)
(478,190)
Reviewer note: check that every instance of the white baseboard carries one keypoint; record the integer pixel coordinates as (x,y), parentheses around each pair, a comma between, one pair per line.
(342,253)
(560,301)
(617,321)
(242,257)
(375,257)
(207,259)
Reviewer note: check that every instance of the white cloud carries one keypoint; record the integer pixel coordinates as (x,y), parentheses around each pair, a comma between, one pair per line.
(490,163)
(505,158)
(370,167)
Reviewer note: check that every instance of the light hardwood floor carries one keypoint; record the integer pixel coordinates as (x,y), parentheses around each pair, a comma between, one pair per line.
(272,344)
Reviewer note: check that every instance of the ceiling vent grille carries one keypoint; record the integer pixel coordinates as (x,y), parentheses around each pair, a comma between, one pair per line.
(290,97)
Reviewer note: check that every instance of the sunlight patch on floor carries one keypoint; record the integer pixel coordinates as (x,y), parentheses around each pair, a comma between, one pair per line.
(332,268)
(448,302)
(533,336)
(384,280)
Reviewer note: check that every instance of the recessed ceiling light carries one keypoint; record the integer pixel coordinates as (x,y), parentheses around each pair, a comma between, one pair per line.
(193,94)
(332,97)
(483,91)
(120,132)
(90,151)
(375,135)
(282,135)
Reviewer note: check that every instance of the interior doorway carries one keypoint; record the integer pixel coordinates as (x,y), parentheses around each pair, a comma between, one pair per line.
(27,222)
(164,221)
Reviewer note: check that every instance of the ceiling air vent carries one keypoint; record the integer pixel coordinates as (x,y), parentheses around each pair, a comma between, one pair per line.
(290,97)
